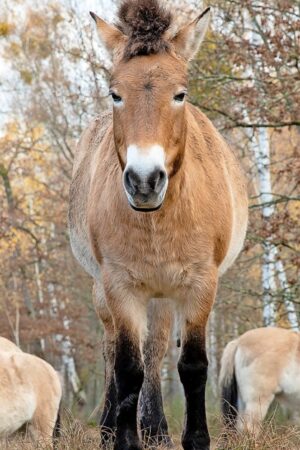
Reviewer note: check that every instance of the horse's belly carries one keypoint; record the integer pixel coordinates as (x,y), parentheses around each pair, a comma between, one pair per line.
(17,408)
(290,381)
(82,252)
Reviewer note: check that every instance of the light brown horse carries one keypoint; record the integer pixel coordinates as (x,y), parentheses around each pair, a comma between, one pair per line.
(258,367)
(30,394)
(158,209)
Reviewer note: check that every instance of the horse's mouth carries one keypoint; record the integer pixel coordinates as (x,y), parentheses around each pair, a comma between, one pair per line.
(145,210)
(144,206)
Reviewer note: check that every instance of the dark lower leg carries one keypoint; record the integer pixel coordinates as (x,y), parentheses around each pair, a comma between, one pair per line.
(153,422)
(129,379)
(108,421)
(108,417)
(192,368)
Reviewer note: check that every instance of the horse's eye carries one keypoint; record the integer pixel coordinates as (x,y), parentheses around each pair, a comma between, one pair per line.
(116,98)
(180,97)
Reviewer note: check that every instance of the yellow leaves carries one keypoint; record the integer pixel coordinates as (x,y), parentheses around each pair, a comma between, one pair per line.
(5,29)
(35,19)
(36,35)
(37,132)
(75,53)
(12,129)
(14,49)
(39,46)
(25,151)
(13,240)
(26,76)
(57,18)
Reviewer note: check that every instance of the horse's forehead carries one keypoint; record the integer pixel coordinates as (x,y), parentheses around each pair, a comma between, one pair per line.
(147,72)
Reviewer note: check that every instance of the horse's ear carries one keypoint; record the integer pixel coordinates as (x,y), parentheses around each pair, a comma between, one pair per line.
(109,34)
(188,39)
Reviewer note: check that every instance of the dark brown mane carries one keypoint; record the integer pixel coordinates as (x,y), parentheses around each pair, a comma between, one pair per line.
(145,23)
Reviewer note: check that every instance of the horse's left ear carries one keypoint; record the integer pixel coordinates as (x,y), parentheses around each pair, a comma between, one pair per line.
(188,39)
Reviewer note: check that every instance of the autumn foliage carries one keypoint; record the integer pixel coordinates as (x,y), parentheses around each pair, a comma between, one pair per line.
(246,78)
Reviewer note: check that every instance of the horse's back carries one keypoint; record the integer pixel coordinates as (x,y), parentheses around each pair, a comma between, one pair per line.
(264,339)
(270,358)
(8,346)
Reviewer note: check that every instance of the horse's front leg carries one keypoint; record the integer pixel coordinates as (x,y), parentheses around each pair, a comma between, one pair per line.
(108,416)
(153,421)
(193,364)
(130,319)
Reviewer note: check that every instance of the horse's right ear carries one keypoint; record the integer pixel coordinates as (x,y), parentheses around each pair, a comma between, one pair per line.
(109,34)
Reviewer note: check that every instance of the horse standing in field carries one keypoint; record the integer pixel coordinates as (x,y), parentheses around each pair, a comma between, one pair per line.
(30,394)
(256,368)
(158,210)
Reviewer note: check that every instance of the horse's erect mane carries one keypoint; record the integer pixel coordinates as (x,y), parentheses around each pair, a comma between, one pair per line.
(145,23)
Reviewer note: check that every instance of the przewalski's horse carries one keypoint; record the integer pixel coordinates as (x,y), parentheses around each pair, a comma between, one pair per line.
(259,366)
(158,209)
(30,393)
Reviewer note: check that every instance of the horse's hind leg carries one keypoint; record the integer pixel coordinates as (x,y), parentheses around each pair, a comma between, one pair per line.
(108,416)
(42,426)
(255,411)
(153,422)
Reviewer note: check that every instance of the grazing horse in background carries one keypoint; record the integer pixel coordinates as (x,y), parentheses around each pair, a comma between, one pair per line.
(8,346)
(259,366)
(158,210)
(30,393)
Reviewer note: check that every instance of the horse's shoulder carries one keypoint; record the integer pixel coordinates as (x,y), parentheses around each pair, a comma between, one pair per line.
(203,131)
(204,124)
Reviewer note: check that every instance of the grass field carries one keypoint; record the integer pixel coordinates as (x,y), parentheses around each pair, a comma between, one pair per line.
(79,437)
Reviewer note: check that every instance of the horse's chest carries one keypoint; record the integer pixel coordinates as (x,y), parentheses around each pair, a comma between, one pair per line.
(159,262)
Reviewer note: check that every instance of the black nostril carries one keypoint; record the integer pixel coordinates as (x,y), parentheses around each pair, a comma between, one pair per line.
(131,181)
(162,177)
(157,179)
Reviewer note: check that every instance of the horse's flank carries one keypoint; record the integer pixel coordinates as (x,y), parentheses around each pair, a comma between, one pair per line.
(265,364)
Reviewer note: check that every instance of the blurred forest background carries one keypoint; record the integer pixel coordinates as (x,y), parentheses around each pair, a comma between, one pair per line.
(53,80)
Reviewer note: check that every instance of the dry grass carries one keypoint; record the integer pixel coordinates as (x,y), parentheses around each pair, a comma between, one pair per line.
(78,437)
(271,437)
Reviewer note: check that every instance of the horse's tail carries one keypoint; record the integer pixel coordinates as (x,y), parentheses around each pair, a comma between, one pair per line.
(228,385)
(57,429)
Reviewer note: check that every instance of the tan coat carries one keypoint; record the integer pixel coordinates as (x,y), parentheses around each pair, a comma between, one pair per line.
(158,209)
(266,365)
(30,392)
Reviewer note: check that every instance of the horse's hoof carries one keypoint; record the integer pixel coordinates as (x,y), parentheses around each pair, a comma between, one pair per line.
(125,444)
(136,446)
(195,444)
(153,437)
(107,437)
(153,442)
